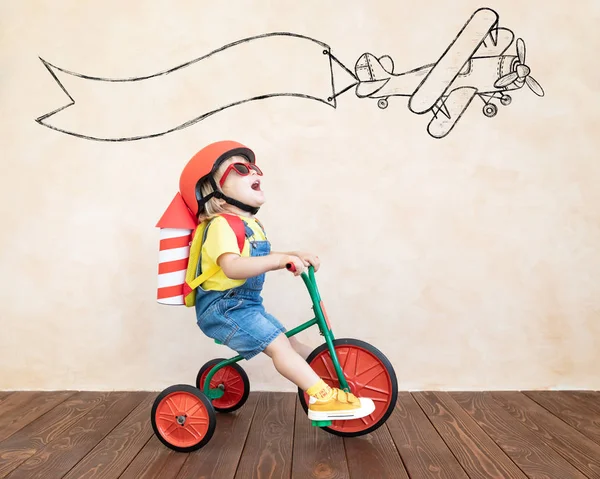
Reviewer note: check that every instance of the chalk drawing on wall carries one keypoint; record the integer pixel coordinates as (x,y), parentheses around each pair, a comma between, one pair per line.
(255,68)
(475,64)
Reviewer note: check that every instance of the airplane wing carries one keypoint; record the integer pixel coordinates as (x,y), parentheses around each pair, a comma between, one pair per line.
(447,68)
(496,43)
(450,110)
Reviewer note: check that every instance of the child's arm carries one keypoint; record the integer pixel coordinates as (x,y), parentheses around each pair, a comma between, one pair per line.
(239,267)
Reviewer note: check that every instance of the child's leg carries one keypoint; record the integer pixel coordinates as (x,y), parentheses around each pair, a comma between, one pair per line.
(301,348)
(325,403)
(290,364)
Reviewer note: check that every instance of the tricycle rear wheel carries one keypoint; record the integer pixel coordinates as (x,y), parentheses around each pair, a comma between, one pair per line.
(183,418)
(369,374)
(232,379)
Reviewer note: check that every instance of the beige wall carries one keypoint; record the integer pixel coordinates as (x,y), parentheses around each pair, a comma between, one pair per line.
(473,262)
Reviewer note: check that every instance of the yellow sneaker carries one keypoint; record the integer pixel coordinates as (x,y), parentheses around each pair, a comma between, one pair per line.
(339,407)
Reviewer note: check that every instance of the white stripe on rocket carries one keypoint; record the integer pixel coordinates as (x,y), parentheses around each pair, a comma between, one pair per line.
(176,300)
(166,233)
(176,278)
(174,254)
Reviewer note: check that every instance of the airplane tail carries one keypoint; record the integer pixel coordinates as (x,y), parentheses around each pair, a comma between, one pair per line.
(370,68)
(372,73)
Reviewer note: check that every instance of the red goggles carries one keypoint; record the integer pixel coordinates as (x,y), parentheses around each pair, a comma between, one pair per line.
(242,169)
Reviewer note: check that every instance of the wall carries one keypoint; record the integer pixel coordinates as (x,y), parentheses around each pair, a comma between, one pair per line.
(472,261)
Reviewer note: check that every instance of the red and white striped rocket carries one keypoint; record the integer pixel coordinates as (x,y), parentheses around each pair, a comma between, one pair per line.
(177,226)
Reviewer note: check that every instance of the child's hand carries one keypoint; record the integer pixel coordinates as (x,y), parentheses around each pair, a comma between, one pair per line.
(298,264)
(309,258)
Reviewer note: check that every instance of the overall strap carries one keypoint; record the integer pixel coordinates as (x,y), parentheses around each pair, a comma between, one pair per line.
(261,226)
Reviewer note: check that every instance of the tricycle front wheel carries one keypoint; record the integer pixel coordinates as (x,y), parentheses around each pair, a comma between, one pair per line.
(369,374)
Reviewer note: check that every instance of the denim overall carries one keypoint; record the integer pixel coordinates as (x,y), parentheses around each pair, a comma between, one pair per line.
(236,317)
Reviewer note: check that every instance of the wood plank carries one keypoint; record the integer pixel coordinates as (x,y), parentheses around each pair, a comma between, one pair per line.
(19,409)
(220,457)
(374,455)
(112,455)
(580,451)
(424,453)
(37,434)
(590,400)
(172,467)
(64,452)
(562,405)
(268,450)
(476,452)
(155,460)
(5,394)
(317,453)
(534,457)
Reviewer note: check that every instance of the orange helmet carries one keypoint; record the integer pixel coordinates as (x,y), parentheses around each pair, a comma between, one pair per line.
(205,163)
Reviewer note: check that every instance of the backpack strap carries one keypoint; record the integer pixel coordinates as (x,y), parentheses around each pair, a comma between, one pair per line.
(193,276)
(237,225)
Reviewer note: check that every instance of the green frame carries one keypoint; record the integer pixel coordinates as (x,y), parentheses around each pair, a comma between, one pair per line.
(319,319)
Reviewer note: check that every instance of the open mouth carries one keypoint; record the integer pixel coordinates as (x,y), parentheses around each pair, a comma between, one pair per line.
(256,185)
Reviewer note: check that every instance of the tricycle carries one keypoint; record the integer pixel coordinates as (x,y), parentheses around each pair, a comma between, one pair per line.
(184,416)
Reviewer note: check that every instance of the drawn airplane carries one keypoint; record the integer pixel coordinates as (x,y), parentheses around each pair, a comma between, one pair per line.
(474,64)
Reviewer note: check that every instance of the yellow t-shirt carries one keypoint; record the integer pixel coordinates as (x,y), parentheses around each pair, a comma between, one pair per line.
(221,239)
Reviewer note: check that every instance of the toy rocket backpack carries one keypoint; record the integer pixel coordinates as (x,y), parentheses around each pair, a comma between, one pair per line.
(179,257)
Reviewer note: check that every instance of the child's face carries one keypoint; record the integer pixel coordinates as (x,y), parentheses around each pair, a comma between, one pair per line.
(246,189)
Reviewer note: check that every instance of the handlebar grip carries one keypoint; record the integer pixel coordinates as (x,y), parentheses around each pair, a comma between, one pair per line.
(290,267)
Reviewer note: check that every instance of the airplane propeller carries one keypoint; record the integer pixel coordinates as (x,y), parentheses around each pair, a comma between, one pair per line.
(521,73)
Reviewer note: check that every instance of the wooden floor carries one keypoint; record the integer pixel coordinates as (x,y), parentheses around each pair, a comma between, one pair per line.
(77,435)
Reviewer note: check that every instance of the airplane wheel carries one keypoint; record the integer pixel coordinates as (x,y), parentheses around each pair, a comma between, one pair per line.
(505,100)
(382,103)
(490,110)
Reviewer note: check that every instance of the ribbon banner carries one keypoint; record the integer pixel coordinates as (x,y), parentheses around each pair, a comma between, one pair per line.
(275,64)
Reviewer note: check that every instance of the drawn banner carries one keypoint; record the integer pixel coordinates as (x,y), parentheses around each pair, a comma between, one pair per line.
(276,64)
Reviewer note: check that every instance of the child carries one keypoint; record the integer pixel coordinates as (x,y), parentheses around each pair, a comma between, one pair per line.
(223,178)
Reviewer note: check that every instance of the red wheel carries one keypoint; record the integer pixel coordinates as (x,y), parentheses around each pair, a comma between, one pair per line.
(368,373)
(232,379)
(183,418)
